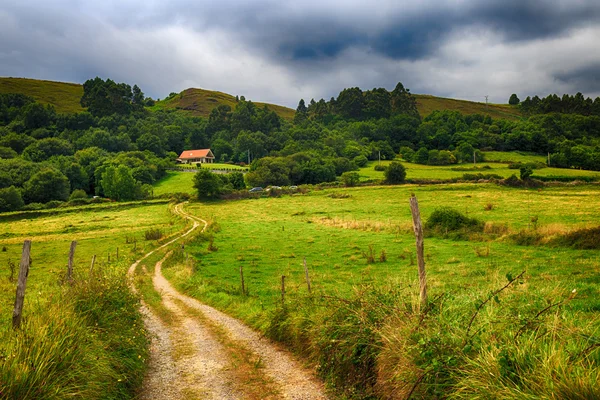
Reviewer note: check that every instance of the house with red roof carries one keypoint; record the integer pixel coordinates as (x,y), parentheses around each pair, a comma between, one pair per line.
(201,156)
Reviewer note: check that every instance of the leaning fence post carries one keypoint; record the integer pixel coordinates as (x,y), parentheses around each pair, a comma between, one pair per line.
(242,277)
(71,255)
(282,289)
(418,228)
(306,275)
(93,262)
(21,284)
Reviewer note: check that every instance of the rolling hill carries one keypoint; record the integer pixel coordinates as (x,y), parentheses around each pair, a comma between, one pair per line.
(426,104)
(200,102)
(63,96)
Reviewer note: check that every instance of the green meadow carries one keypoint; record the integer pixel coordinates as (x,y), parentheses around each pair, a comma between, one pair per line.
(82,338)
(496,300)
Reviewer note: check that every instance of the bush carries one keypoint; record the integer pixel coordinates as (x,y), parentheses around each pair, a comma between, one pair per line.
(448,220)
(350,178)
(153,234)
(380,167)
(479,176)
(527,237)
(10,199)
(53,204)
(78,194)
(360,161)
(395,173)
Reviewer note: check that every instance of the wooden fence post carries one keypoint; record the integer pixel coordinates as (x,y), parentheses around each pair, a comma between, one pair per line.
(418,228)
(93,262)
(22,283)
(306,275)
(117,254)
(282,289)
(242,277)
(70,266)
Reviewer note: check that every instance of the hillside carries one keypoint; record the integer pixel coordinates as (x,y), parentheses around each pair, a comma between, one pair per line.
(200,102)
(63,96)
(426,104)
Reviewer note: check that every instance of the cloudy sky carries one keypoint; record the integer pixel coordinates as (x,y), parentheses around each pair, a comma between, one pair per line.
(281,51)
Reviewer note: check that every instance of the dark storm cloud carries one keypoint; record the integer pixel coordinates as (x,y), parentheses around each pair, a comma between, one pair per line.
(281,50)
(585,79)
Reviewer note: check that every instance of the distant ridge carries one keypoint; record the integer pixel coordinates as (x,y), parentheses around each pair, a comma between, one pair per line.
(200,102)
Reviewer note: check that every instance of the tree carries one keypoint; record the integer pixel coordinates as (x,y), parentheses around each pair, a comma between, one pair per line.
(514,100)
(42,150)
(46,185)
(118,183)
(403,102)
(301,112)
(395,173)
(350,103)
(207,184)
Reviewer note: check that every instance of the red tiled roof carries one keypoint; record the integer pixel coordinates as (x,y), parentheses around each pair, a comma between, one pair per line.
(195,153)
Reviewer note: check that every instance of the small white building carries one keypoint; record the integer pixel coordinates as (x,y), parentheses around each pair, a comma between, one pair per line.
(201,156)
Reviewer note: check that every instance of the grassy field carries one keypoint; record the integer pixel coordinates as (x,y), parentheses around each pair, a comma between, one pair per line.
(98,230)
(513,156)
(63,96)
(84,338)
(419,171)
(175,182)
(213,166)
(359,242)
(426,104)
(200,102)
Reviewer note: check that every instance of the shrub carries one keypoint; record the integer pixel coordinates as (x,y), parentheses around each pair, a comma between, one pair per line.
(448,220)
(350,178)
(527,237)
(78,194)
(10,199)
(584,239)
(380,167)
(395,173)
(153,234)
(525,172)
(479,175)
(360,161)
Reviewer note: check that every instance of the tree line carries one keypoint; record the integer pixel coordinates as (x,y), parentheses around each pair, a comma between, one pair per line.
(119,138)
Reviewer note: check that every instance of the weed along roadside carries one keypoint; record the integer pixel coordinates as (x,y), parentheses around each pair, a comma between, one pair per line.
(334,275)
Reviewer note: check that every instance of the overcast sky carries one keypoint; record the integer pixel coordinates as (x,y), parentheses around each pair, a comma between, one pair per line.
(281,51)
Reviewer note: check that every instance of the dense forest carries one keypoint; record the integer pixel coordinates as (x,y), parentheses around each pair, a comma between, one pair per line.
(119,147)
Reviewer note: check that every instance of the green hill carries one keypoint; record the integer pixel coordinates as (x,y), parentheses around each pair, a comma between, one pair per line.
(200,102)
(426,104)
(63,96)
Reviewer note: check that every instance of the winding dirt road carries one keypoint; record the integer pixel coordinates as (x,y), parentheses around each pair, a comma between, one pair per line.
(202,353)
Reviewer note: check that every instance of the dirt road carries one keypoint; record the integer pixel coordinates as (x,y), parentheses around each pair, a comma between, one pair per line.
(199,352)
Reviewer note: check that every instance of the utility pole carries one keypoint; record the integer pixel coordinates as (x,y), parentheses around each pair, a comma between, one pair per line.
(486,102)
(379,157)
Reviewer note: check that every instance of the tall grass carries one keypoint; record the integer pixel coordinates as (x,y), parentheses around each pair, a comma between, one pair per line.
(87,342)
(518,342)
